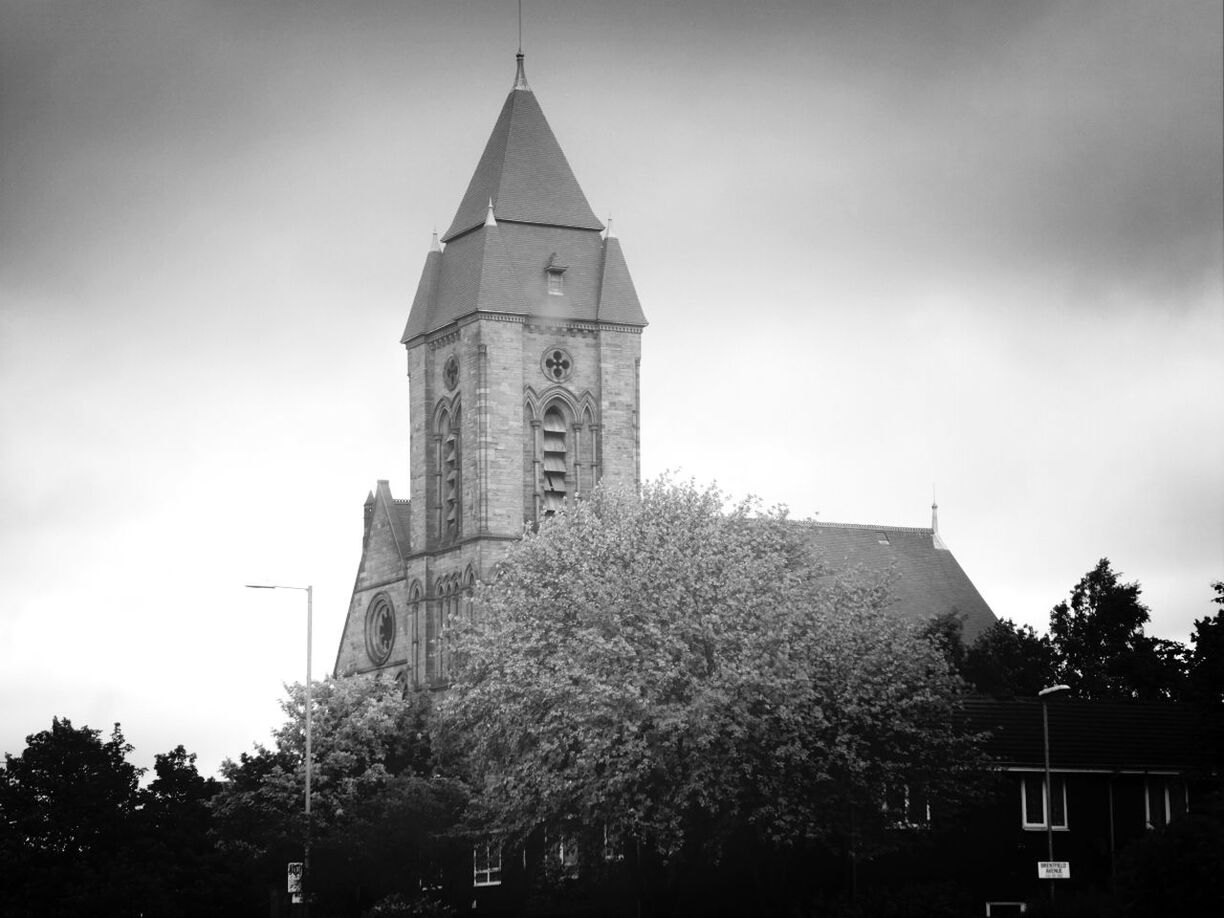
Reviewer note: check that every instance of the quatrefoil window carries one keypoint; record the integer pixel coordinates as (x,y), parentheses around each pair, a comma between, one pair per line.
(557,364)
(450,372)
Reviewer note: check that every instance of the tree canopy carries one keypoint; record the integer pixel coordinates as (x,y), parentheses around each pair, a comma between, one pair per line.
(1102,649)
(687,675)
(78,836)
(380,811)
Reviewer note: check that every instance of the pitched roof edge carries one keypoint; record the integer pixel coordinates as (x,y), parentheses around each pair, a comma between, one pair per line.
(874,527)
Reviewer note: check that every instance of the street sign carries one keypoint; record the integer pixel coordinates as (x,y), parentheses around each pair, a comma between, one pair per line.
(1054,870)
(295,878)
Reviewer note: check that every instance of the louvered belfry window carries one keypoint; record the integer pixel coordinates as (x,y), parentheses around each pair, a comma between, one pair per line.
(448,473)
(554,460)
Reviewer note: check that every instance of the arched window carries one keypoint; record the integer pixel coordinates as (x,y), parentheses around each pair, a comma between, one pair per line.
(555,458)
(587,451)
(414,628)
(449,476)
(444,610)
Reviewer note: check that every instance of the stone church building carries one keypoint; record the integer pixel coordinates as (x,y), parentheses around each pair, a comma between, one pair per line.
(524,344)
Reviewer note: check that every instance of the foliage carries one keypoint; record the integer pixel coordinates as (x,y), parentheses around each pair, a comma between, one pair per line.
(946,633)
(1175,870)
(1009,660)
(1102,650)
(69,793)
(79,837)
(1206,670)
(686,677)
(378,808)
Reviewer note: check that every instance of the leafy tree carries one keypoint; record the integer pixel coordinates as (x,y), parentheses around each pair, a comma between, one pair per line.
(1102,650)
(79,837)
(689,679)
(1206,670)
(1009,660)
(378,808)
(66,804)
(946,633)
(1175,870)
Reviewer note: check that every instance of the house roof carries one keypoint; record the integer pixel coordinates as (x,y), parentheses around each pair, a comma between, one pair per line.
(523,172)
(1095,734)
(925,579)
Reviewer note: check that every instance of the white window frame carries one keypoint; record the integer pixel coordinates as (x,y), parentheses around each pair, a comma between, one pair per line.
(1165,789)
(490,875)
(903,814)
(1060,783)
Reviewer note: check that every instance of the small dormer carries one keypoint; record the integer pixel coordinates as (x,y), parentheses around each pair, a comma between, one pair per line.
(556,275)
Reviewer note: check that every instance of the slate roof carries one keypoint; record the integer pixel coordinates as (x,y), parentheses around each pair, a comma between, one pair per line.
(399,515)
(926,580)
(1095,735)
(524,173)
(540,217)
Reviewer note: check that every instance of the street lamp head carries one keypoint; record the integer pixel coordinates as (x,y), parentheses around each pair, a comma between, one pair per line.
(1053,689)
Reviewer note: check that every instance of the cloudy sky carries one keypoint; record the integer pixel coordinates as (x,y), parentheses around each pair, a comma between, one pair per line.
(883,246)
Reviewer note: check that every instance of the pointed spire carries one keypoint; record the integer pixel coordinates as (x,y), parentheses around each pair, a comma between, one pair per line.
(420,316)
(520,75)
(524,171)
(489,219)
(936,540)
(435,246)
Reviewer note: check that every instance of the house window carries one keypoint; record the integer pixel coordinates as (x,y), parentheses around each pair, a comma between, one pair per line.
(566,853)
(554,460)
(613,850)
(486,865)
(1032,802)
(1164,799)
(906,807)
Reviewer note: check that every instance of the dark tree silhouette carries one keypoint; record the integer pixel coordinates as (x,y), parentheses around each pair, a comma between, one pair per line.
(1102,650)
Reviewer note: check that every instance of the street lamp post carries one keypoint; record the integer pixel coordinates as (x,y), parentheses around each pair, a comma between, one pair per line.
(1049,787)
(309,591)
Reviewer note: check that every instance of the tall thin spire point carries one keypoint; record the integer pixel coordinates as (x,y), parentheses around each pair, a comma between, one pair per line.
(935,536)
(489,218)
(520,75)
(435,246)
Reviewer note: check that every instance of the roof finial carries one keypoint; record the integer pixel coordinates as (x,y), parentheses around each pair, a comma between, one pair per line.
(609,234)
(435,246)
(934,511)
(489,219)
(520,75)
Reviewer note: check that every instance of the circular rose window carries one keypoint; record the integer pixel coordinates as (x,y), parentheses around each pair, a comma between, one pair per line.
(380,629)
(557,364)
(450,372)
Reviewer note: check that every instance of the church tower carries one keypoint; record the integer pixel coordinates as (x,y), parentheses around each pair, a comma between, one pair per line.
(523,341)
